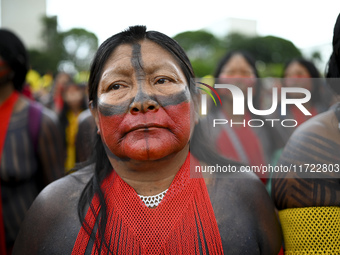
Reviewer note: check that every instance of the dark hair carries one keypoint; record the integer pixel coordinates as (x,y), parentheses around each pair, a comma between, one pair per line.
(309,65)
(14,53)
(313,72)
(333,67)
(63,119)
(246,55)
(130,36)
(251,61)
(198,148)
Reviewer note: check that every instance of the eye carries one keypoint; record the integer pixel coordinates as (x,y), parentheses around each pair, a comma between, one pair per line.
(162,81)
(115,87)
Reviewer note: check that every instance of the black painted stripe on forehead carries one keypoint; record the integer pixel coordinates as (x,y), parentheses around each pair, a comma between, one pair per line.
(164,101)
(136,60)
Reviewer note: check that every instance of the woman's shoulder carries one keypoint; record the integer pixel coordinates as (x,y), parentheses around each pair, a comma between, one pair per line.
(315,141)
(325,124)
(52,224)
(242,185)
(74,182)
(313,151)
(245,214)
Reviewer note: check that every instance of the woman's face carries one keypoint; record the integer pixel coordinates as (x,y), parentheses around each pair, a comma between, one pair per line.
(237,71)
(296,75)
(143,110)
(73,95)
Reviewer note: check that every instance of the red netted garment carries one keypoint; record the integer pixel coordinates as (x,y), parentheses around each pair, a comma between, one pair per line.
(183,223)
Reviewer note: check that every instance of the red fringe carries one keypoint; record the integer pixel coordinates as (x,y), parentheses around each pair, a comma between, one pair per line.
(182,223)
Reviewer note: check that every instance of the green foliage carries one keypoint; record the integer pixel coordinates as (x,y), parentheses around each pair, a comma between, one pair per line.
(316,56)
(42,61)
(205,51)
(270,50)
(80,46)
(72,49)
(46,59)
(271,70)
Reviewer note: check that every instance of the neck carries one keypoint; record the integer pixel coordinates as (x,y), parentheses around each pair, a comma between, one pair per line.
(150,177)
(5,91)
(228,109)
(308,105)
(75,109)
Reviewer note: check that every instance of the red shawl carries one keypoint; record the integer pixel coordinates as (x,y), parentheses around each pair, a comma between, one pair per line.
(183,223)
(6,109)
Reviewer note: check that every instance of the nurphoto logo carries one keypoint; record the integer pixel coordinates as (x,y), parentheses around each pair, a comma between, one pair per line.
(240,101)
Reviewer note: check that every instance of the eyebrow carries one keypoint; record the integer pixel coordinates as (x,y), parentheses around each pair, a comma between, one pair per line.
(121,70)
(155,67)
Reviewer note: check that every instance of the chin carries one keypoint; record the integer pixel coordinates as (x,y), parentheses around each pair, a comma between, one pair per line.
(152,153)
(149,155)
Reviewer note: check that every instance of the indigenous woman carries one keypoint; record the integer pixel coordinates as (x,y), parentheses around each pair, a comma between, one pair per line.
(302,73)
(240,141)
(137,197)
(31,152)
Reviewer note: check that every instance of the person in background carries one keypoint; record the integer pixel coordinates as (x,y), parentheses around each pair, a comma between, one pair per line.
(86,130)
(56,102)
(302,73)
(31,151)
(240,142)
(308,199)
(74,102)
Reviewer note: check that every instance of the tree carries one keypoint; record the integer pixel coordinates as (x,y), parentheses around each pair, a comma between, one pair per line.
(272,52)
(80,46)
(69,51)
(46,59)
(203,50)
(269,49)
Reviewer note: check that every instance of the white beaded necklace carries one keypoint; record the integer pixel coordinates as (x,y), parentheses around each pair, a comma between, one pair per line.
(152,201)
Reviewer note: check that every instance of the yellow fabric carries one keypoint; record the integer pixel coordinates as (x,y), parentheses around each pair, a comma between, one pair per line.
(311,230)
(71,132)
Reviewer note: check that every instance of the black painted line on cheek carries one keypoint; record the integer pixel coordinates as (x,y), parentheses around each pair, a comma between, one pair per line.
(174,99)
(111,110)
(117,109)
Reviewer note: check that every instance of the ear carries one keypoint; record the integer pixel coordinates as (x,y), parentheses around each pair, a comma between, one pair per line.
(94,113)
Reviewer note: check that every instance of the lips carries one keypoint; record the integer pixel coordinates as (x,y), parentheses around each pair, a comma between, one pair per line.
(145,127)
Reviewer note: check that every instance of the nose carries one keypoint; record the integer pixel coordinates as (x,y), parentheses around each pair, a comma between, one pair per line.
(143,103)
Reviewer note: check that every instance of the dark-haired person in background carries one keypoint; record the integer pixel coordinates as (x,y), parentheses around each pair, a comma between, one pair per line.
(309,199)
(74,103)
(31,152)
(241,142)
(84,138)
(302,73)
(144,100)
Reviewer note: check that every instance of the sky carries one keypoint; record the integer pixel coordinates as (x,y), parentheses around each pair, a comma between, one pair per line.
(307,23)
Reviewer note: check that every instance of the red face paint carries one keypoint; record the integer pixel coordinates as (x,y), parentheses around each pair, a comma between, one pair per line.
(147,136)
